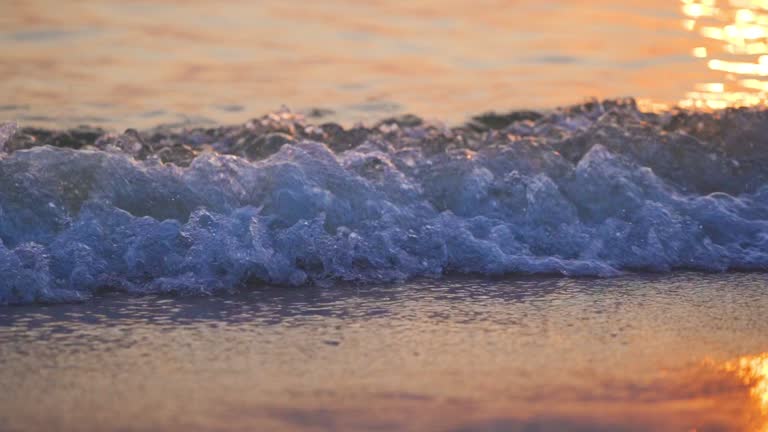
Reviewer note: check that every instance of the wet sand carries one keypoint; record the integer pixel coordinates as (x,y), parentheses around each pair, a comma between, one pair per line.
(667,353)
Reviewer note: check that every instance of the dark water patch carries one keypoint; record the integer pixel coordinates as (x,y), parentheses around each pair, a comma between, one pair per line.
(42,35)
(230,108)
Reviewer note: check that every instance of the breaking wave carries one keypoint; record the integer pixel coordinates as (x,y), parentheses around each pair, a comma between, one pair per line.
(593,190)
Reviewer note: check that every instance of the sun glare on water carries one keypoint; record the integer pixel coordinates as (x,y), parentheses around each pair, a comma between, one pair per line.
(735,33)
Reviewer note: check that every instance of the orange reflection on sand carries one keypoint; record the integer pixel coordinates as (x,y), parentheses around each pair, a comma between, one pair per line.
(738,33)
(753,371)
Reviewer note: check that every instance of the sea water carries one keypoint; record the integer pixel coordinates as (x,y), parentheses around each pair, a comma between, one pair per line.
(600,189)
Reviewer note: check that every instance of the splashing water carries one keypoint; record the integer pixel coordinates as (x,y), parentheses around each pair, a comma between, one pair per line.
(592,190)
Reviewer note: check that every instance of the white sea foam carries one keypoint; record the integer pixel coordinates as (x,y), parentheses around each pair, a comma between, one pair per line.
(73,222)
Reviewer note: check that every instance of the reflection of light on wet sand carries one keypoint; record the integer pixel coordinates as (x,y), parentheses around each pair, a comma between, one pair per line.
(753,371)
(739,30)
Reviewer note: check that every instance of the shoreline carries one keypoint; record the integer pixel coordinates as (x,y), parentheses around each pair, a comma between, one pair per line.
(628,354)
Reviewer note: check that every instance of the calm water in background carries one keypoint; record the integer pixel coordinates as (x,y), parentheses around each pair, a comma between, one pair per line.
(118,63)
(664,353)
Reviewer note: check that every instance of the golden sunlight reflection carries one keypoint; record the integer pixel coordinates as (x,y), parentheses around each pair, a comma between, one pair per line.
(736,32)
(753,371)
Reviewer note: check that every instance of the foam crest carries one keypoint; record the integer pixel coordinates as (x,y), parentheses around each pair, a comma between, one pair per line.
(593,190)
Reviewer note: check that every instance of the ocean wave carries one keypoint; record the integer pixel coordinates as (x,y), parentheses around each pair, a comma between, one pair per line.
(592,190)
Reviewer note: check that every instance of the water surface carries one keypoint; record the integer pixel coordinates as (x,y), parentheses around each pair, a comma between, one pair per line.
(139,63)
